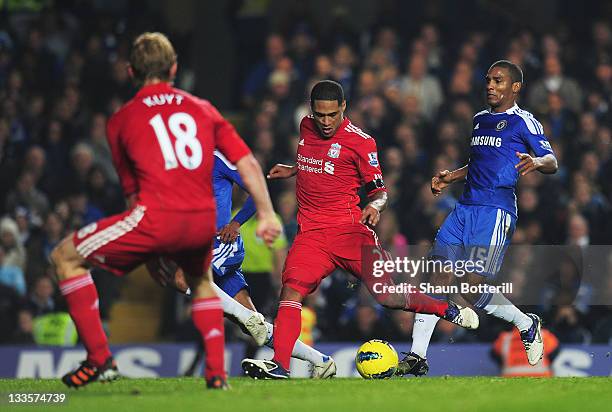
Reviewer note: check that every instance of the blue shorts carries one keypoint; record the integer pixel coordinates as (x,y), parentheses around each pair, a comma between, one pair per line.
(480,234)
(227,266)
(231,282)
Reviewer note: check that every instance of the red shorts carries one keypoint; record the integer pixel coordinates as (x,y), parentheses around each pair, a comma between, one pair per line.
(121,242)
(316,253)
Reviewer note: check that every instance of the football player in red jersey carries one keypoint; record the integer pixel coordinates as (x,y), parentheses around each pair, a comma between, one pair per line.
(334,159)
(162,143)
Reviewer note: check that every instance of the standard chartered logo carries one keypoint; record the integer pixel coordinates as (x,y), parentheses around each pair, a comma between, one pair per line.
(309,160)
(312,165)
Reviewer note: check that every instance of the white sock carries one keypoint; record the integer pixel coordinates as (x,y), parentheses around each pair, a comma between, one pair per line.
(422,330)
(500,307)
(300,350)
(232,307)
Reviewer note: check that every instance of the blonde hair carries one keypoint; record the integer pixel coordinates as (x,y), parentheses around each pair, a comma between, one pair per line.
(152,56)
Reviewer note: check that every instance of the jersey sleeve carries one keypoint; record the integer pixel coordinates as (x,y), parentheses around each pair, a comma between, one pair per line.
(369,167)
(230,172)
(246,211)
(122,163)
(227,140)
(532,134)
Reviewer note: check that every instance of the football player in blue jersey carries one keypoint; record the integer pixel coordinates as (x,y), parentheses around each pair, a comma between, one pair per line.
(230,284)
(481,225)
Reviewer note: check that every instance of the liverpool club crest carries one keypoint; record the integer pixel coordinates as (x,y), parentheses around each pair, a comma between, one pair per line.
(334,151)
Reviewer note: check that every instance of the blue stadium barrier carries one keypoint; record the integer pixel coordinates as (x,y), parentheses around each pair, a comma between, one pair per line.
(165,360)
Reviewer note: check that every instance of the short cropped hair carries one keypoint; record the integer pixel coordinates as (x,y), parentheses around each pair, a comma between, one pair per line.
(151,57)
(516,74)
(327,90)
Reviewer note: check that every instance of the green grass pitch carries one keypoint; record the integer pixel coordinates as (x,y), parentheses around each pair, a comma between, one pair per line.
(409,395)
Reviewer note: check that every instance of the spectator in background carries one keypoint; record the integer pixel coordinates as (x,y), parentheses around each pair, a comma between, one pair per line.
(57,148)
(578,231)
(367,88)
(379,121)
(14,251)
(461,84)
(603,76)
(323,69)
(344,63)
(279,92)
(81,161)
(22,218)
(387,42)
(509,353)
(274,51)
(99,146)
(103,194)
(35,162)
(554,81)
(301,50)
(27,195)
(11,276)
(424,87)
(562,121)
(23,334)
(434,51)
(42,298)
(567,323)
(82,211)
(602,42)
(593,206)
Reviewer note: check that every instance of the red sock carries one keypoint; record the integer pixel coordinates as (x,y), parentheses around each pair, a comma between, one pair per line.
(287,329)
(82,299)
(420,303)
(207,316)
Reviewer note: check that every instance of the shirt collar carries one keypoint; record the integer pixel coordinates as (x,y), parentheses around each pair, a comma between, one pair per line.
(154,88)
(509,111)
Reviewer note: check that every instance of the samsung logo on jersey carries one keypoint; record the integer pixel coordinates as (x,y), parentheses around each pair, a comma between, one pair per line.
(486,141)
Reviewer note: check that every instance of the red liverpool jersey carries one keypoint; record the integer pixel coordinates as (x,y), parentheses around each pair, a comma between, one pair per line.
(330,173)
(162,142)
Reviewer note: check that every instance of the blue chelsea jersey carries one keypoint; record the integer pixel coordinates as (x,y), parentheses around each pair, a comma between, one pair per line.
(225,174)
(492,177)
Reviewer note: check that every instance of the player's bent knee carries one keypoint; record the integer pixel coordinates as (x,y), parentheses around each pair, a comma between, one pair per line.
(66,260)
(288,293)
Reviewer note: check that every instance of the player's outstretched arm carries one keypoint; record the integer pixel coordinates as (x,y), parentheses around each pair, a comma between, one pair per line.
(268,226)
(281,171)
(445,178)
(546,164)
(370,215)
(230,232)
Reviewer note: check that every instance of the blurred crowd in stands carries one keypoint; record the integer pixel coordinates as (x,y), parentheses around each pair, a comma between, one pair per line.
(63,73)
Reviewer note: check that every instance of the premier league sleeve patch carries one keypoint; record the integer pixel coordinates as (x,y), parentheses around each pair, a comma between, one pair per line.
(545,144)
(373,159)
